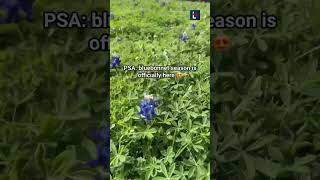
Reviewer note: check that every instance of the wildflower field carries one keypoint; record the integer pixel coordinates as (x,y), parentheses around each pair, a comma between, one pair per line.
(159,127)
(265,93)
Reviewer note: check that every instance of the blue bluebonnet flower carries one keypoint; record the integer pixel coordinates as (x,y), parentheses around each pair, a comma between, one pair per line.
(142,12)
(100,135)
(102,138)
(193,25)
(147,107)
(12,9)
(184,37)
(115,61)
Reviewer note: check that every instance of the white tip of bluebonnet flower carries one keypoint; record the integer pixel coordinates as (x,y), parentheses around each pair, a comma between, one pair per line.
(115,55)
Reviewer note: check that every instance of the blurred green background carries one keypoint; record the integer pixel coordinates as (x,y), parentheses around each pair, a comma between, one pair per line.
(266,94)
(53,95)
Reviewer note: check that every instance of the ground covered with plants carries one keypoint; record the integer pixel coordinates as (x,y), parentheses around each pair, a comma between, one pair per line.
(170,137)
(53,97)
(267,94)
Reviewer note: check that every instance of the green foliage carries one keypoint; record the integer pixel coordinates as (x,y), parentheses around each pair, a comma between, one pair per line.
(175,145)
(267,95)
(52,94)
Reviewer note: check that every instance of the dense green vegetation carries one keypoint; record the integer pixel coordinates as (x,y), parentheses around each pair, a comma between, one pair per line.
(52,97)
(175,143)
(267,94)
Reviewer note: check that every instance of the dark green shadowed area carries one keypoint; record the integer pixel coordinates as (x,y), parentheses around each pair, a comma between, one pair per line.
(53,96)
(266,94)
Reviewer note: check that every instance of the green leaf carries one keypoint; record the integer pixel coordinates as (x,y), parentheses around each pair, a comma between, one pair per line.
(49,125)
(311,87)
(13,174)
(63,162)
(82,175)
(148,175)
(40,155)
(164,169)
(171,169)
(8,28)
(90,147)
(305,160)
(285,94)
(251,170)
(228,142)
(262,44)
(191,172)
(275,154)
(299,169)
(267,167)
(261,142)
(159,178)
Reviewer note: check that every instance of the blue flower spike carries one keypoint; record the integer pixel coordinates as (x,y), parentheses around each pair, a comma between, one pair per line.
(147,107)
(115,61)
(184,37)
(142,12)
(102,149)
(12,10)
(193,25)
(101,135)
